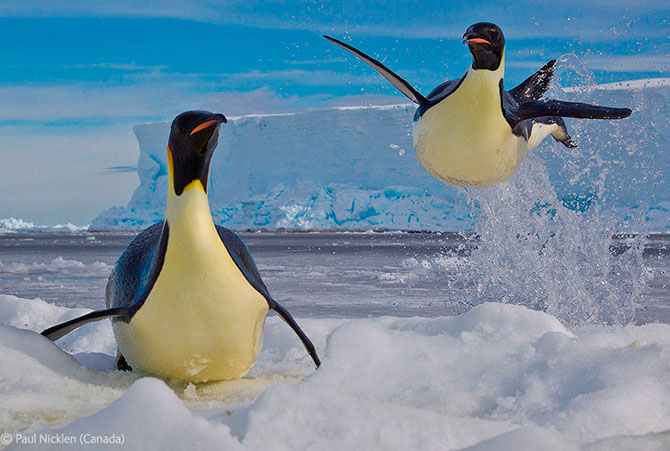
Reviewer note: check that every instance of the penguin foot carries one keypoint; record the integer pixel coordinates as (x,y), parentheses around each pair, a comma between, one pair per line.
(122,365)
(560,132)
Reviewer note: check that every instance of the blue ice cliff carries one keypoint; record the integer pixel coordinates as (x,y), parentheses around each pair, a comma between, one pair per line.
(353,168)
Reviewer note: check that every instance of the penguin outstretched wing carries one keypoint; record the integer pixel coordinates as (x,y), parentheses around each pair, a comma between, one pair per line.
(400,84)
(55,332)
(560,108)
(242,258)
(522,115)
(534,87)
(524,109)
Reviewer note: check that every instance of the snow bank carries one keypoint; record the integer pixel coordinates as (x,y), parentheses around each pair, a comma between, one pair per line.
(150,417)
(40,385)
(37,315)
(495,378)
(354,168)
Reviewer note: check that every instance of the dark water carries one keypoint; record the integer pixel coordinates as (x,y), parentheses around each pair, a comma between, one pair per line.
(313,274)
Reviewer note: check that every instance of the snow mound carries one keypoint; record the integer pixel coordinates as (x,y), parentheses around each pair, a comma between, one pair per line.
(37,315)
(42,385)
(149,416)
(495,378)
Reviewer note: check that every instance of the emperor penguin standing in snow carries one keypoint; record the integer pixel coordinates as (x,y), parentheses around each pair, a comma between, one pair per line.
(471,131)
(185,298)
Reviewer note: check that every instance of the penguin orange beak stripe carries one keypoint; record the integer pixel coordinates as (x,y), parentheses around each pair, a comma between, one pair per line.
(203,126)
(478,41)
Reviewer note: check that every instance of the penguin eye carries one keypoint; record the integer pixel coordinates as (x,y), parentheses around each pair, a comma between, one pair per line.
(495,35)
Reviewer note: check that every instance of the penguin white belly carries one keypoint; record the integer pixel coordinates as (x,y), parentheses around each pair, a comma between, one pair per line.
(202,320)
(465,139)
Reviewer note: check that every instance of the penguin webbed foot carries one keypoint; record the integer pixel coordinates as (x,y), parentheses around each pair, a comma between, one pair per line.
(561,135)
(560,132)
(567,142)
(121,364)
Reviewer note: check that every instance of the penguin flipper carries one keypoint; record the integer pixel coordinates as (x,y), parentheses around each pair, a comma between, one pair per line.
(400,84)
(560,108)
(240,254)
(288,319)
(534,87)
(59,330)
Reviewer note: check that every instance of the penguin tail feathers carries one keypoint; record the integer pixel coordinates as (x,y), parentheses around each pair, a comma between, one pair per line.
(541,108)
(288,318)
(535,86)
(400,84)
(60,330)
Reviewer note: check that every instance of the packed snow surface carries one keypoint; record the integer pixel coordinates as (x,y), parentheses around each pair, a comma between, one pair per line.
(354,168)
(498,377)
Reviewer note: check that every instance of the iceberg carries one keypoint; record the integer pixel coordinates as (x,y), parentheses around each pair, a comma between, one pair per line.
(353,168)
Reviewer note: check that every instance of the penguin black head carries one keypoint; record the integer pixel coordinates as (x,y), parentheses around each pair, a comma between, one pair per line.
(486,43)
(193,138)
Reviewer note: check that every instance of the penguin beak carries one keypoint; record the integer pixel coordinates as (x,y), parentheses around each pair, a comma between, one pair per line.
(220,118)
(205,135)
(476,41)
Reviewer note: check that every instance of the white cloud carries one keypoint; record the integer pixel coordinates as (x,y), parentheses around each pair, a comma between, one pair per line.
(155,95)
(130,67)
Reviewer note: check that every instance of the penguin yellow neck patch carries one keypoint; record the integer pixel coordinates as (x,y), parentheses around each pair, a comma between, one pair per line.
(192,204)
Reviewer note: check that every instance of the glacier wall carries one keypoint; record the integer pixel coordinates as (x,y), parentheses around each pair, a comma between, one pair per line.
(354,168)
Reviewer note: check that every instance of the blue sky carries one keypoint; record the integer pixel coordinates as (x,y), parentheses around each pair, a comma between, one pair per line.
(76,75)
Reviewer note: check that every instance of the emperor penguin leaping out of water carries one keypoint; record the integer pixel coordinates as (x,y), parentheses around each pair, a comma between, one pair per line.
(471,131)
(185,298)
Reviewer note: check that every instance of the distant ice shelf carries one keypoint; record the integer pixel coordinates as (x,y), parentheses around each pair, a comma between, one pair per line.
(19,225)
(354,168)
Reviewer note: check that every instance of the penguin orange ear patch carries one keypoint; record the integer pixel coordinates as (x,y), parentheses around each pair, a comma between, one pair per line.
(203,126)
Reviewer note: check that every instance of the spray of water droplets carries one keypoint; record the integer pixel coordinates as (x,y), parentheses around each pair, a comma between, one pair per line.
(554,252)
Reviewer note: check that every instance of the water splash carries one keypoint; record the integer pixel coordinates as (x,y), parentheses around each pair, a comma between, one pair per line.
(535,251)
(557,252)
